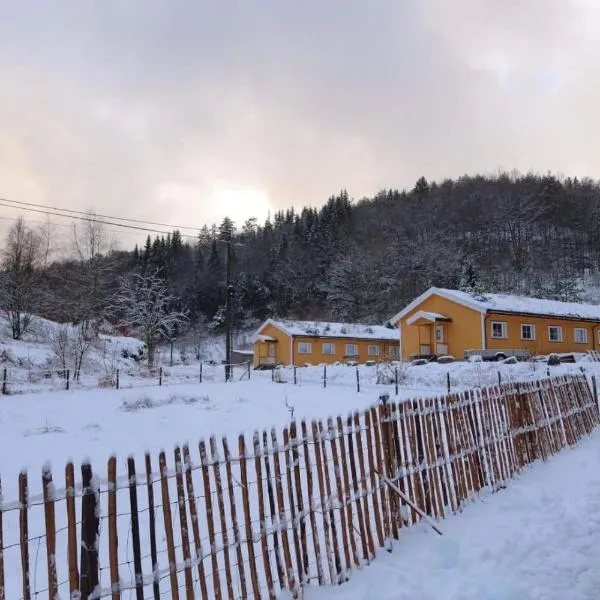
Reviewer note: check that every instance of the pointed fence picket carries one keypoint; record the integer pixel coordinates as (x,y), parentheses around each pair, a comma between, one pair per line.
(273,517)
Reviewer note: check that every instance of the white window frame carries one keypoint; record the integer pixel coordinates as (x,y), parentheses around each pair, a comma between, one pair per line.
(504,326)
(394,351)
(373,350)
(532,328)
(354,351)
(585,335)
(331,348)
(439,334)
(304,348)
(560,331)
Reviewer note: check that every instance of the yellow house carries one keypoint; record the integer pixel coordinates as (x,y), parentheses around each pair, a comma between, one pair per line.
(457,323)
(308,342)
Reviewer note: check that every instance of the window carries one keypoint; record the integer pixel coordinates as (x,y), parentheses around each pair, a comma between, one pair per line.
(439,334)
(394,351)
(351,349)
(373,350)
(328,348)
(555,333)
(499,330)
(304,348)
(527,332)
(581,335)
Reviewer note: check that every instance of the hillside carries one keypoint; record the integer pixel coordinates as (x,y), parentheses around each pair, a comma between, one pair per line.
(350,260)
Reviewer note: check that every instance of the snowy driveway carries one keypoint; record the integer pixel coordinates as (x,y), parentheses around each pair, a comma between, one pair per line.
(538,539)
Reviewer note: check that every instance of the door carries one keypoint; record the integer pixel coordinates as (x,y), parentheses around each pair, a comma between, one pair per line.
(440,340)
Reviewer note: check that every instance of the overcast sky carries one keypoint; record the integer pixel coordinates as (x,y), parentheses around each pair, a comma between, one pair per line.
(180,111)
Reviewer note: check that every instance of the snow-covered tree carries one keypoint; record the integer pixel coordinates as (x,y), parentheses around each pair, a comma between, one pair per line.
(19,283)
(144,305)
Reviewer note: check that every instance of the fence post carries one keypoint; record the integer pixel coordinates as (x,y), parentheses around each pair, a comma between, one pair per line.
(4,380)
(249,370)
(324,376)
(295,378)
(357,380)
(499,378)
(595,389)
(89,534)
(117,378)
(159,375)
(273,374)
(396,380)
(200,371)
(448,381)
(68,379)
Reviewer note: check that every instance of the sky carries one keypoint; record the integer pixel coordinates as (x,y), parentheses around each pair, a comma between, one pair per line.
(184,111)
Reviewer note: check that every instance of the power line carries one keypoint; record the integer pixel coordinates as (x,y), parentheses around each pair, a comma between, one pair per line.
(79,212)
(90,219)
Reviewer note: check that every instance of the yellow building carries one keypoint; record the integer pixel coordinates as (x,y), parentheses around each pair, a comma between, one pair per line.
(310,343)
(452,322)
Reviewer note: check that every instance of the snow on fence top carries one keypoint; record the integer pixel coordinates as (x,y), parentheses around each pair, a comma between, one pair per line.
(337,330)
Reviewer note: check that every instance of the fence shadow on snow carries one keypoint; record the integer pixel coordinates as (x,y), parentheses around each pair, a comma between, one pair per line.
(280,510)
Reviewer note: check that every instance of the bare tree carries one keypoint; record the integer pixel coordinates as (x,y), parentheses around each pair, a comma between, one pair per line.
(144,305)
(91,244)
(19,281)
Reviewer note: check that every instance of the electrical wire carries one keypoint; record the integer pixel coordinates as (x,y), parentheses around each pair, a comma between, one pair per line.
(90,219)
(94,214)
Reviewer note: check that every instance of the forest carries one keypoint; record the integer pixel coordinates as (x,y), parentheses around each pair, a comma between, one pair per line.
(350,260)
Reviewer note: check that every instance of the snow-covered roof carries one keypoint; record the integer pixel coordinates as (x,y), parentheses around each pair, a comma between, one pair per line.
(336,330)
(428,316)
(508,303)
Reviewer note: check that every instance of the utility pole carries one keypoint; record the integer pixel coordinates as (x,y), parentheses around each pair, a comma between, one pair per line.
(229,310)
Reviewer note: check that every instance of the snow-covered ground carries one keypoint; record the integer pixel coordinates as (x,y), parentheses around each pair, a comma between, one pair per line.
(537,540)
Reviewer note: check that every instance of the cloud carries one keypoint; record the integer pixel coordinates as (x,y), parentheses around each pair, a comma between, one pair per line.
(148,109)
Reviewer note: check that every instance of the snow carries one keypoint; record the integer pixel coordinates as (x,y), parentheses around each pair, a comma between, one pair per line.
(522,304)
(537,540)
(530,538)
(337,330)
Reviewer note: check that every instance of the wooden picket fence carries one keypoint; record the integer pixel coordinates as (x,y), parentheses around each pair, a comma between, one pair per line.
(279,511)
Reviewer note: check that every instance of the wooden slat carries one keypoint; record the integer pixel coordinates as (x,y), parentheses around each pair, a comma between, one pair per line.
(71,529)
(324,504)
(455,449)
(261,515)
(24,533)
(292,502)
(311,508)
(356,489)
(282,518)
(224,525)
(396,454)
(403,460)
(113,539)
(90,525)
(340,494)
(185,533)
(364,488)
(166,504)
(381,472)
(50,520)
(135,530)
(392,505)
(273,512)
(330,509)
(210,520)
(373,479)
(234,521)
(152,526)
(294,442)
(347,501)
(248,518)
